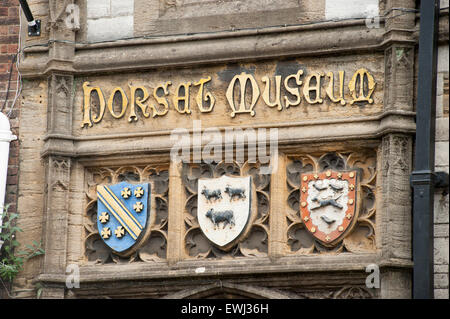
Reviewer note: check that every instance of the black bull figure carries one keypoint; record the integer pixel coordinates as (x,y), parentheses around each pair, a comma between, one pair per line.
(210,195)
(237,193)
(226,217)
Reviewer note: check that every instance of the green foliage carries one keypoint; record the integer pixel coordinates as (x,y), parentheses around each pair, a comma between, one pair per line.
(12,263)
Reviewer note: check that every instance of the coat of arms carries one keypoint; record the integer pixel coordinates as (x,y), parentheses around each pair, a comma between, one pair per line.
(122,214)
(328,203)
(224,208)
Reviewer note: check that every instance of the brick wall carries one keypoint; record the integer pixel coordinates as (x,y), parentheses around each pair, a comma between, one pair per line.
(9,31)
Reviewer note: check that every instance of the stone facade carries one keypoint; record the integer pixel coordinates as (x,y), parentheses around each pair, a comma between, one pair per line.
(441,216)
(102,102)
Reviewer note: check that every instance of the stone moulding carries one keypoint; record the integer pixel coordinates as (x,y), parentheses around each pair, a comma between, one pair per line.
(183,51)
(110,276)
(288,133)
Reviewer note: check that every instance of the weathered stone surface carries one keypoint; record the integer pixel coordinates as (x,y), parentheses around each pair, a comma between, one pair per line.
(113,28)
(441,230)
(441,251)
(344,9)
(441,207)
(122,7)
(441,280)
(443,65)
(442,129)
(441,293)
(442,154)
(98,9)
(61,160)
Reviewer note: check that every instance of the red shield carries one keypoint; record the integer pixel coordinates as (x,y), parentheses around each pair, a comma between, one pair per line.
(328,204)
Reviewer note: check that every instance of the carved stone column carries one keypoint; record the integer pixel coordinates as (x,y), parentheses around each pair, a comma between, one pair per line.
(62,37)
(396,216)
(175,243)
(396,196)
(396,149)
(56,220)
(399,75)
(56,153)
(278,225)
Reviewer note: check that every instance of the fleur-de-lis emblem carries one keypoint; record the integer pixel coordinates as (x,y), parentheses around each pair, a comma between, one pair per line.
(126,193)
(119,232)
(104,217)
(138,207)
(106,233)
(138,192)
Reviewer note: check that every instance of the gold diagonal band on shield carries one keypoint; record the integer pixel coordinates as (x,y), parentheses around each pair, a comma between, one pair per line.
(120,212)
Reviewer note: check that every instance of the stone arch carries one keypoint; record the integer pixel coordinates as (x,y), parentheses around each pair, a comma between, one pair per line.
(222,290)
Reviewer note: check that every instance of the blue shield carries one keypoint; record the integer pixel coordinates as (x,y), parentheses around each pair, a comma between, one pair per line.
(122,214)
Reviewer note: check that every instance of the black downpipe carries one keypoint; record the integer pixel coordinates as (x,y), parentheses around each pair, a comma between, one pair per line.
(26,10)
(34,26)
(423,178)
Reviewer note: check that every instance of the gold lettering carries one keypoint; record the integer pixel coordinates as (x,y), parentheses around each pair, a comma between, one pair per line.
(359,74)
(87,105)
(161,100)
(307,89)
(177,98)
(208,96)
(293,91)
(124,102)
(330,88)
(266,93)
(243,78)
(137,101)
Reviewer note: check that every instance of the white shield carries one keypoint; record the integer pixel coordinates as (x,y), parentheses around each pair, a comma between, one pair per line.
(223,208)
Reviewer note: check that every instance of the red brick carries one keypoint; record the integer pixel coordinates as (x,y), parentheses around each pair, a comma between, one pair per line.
(13,171)
(13,11)
(4,68)
(9,20)
(9,30)
(11,3)
(10,198)
(14,152)
(13,161)
(6,58)
(12,48)
(13,30)
(12,180)
(8,39)
(3,12)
